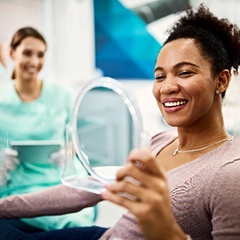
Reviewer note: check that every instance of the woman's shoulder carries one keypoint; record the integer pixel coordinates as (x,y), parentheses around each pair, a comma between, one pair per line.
(223,187)
(62,93)
(7,92)
(221,164)
(162,139)
(228,153)
(57,87)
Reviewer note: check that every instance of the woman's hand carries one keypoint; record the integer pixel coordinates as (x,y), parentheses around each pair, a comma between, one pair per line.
(142,188)
(8,163)
(3,54)
(57,157)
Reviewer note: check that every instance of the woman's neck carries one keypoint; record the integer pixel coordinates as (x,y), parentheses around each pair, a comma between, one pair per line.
(28,90)
(198,138)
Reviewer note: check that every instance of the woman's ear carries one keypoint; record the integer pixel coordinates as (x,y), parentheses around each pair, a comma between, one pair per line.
(223,80)
(12,53)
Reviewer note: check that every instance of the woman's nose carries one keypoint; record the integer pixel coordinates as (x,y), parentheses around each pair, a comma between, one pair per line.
(169,85)
(34,60)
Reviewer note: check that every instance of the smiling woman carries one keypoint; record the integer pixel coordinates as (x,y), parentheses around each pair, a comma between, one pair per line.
(33,110)
(199,164)
(184,83)
(25,43)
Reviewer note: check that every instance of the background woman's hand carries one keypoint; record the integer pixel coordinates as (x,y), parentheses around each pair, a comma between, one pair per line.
(57,157)
(142,188)
(8,162)
(3,54)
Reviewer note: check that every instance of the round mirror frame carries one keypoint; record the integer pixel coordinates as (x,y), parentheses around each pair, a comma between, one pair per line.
(128,99)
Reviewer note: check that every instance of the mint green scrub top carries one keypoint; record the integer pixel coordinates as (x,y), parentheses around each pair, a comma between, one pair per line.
(42,119)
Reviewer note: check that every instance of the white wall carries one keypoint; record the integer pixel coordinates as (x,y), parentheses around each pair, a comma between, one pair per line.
(69,27)
(222,8)
(15,14)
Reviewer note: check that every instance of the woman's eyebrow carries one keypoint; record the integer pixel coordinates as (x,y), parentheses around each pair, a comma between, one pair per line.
(178,65)
(181,64)
(158,69)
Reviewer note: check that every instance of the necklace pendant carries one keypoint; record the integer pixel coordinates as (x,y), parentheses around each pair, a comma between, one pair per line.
(175,152)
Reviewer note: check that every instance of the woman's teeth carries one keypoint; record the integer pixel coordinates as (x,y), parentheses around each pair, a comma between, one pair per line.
(174,104)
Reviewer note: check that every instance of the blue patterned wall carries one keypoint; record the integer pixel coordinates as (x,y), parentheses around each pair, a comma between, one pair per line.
(124,47)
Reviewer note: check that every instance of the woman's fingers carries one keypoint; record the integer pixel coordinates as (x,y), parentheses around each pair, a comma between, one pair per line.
(140,185)
(142,188)
(146,172)
(126,195)
(145,161)
(140,201)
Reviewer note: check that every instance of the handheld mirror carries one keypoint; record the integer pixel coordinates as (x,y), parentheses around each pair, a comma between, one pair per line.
(106,124)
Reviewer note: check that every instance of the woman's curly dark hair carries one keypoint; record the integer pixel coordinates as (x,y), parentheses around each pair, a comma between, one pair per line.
(218,39)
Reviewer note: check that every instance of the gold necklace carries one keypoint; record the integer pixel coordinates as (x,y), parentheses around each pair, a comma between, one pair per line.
(176,151)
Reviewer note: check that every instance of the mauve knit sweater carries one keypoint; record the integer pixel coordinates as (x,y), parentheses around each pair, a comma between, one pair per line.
(205,195)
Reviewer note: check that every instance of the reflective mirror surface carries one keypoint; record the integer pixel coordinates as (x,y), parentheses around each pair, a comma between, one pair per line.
(106,125)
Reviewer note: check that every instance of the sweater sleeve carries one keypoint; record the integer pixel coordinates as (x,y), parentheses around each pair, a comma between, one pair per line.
(52,201)
(224,206)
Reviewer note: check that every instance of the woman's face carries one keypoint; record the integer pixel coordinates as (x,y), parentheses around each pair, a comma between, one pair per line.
(184,87)
(28,58)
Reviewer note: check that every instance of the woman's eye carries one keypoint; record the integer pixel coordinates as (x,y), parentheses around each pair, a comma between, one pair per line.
(27,53)
(41,55)
(185,73)
(160,77)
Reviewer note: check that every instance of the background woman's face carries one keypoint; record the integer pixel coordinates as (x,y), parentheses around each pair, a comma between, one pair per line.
(29,58)
(184,87)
